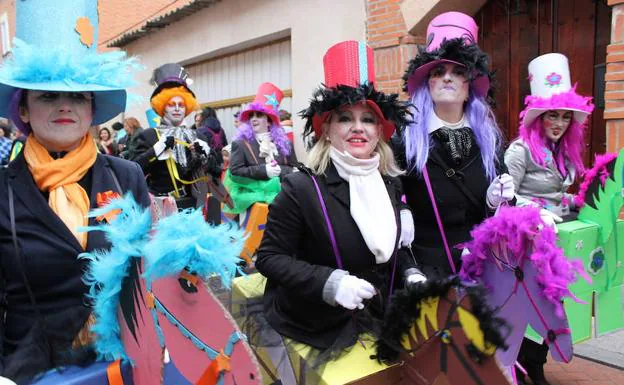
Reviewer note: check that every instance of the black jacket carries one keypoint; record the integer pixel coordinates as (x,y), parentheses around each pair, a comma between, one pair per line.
(250,165)
(49,256)
(158,176)
(458,211)
(297,258)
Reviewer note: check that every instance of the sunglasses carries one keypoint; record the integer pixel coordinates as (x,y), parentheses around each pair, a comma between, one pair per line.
(73,97)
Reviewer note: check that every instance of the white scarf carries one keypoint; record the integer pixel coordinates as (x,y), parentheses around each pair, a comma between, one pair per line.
(371,207)
(268,149)
(181,134)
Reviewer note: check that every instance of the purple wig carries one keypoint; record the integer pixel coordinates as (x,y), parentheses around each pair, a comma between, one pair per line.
(278,136)
(14,113)
(480,116)
(571,145)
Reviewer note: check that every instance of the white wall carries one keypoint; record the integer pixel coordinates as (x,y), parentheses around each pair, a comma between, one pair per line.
(232,25)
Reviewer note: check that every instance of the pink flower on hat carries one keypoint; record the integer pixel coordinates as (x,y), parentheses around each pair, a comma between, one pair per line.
(530,77)
(552,80)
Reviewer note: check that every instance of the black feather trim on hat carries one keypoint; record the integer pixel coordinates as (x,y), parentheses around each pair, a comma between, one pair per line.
(327,99)
(405,307)
(471,56)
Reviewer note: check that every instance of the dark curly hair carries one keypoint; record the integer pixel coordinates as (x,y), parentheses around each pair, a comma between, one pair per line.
(327,99)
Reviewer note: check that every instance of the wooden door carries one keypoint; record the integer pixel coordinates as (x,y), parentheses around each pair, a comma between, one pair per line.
(513,32)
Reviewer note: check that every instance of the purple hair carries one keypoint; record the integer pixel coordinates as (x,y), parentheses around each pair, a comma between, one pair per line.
(571,145)
(278,136)
(482,121)
(14,113)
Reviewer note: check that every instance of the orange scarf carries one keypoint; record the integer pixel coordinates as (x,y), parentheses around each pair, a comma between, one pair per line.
(59,177)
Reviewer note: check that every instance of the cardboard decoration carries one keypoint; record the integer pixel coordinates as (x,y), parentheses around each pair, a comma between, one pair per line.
(597,239)
(515,256)
(443,333)
(157,311)
(162,206)
(254,229)
(355,367)
(153,119)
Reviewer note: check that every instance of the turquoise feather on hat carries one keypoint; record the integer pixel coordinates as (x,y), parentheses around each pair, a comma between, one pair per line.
(55,49)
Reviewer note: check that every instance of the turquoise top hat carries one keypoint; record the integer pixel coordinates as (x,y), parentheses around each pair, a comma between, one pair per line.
(55,50)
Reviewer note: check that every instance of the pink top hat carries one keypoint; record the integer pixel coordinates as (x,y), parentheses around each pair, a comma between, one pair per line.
(443,28)
(267,101)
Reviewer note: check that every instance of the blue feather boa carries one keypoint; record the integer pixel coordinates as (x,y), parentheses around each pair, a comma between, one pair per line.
(36,65)
(181,241)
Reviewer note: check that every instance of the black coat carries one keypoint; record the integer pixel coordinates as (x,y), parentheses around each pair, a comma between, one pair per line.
(297,258)
(49,256)
(458,212)
(250,165)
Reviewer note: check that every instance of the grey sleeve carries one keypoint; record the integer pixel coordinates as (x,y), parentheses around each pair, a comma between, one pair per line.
(331,286)
(516,162)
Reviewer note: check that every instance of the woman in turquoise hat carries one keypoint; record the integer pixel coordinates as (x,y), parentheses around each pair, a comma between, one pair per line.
(54,88)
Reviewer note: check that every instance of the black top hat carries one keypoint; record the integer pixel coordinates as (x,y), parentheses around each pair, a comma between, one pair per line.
(171,75)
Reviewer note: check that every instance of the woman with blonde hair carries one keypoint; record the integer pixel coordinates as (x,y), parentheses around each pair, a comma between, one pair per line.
(319,280)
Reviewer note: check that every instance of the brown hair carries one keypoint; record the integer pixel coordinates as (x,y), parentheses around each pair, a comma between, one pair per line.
(133,123)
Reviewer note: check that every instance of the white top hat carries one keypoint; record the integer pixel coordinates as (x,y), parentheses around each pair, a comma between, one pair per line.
(549,74)
(551,89)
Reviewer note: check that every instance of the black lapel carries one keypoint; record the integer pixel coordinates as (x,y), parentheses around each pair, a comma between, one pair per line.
(337,186)
(27,191)
(101,181)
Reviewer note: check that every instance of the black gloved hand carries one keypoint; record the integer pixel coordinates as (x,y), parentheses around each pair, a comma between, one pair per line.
(169,142)
(199,150)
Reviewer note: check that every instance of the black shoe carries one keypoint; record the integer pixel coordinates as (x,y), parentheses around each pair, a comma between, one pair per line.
(520,377)
(536,374)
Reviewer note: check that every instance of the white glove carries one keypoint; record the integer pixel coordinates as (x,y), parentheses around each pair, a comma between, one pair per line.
(352,291)
(501,190)
(550,219)
(6,381)
(418,277)
(159,149)
(203,145)
(407,228)
(273,170)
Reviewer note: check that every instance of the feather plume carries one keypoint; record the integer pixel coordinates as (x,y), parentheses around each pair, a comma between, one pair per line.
(187,241)
(598,170)
(128,233)
(327,99)
(518,230)
(469,55)
(35,65)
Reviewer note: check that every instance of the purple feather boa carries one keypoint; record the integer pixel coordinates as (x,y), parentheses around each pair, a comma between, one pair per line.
(516,230)
(599,169)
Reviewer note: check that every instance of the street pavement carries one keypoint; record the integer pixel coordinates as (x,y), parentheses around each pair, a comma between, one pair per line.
(599,361)
(582,372)
(608,349)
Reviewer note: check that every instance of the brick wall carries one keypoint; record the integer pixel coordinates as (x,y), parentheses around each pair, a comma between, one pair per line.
(8,6)
(118,16)
(392,44)
(614,88)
